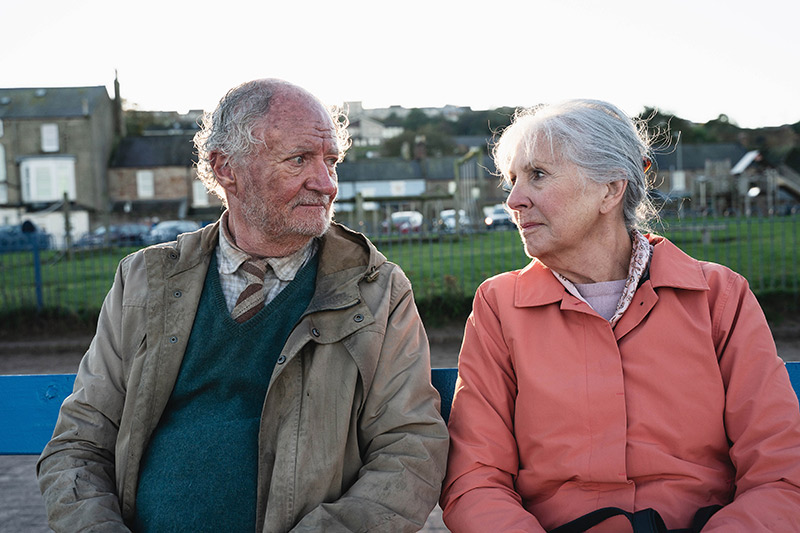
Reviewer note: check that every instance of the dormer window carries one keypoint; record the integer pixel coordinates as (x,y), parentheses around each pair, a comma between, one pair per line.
(50,138)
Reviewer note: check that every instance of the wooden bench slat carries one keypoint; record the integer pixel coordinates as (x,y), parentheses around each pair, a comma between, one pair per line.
(29,405)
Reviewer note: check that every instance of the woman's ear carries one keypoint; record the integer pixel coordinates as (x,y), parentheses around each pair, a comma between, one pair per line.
(220,164)
(615,192)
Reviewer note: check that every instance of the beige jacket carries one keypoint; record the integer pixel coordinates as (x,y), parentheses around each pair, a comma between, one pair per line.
(355,371)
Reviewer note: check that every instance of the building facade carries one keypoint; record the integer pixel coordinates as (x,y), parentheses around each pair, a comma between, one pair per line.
(54,142)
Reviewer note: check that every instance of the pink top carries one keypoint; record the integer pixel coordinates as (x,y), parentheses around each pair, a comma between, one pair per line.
(683,404)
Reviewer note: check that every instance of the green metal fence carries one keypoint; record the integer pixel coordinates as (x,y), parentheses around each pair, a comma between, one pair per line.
(764,250)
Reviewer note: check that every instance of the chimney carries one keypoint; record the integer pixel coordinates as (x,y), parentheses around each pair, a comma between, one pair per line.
(119,116)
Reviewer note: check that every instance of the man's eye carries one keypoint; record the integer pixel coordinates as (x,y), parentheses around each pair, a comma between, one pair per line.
(298,159)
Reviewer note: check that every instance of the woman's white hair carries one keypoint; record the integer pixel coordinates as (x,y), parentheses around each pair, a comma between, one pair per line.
(229,128)
(595,135)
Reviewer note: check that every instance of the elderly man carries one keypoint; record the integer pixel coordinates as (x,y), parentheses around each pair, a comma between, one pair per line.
(267,373)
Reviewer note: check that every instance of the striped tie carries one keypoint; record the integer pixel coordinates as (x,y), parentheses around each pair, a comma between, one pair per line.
(251,300)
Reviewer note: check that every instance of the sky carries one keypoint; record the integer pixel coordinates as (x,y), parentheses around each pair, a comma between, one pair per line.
(694,58)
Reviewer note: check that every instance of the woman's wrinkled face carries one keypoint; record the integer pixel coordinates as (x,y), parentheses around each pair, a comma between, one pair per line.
(554,205)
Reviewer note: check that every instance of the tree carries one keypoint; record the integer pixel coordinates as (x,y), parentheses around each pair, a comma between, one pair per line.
(436,141)
(415,119)
(483,122)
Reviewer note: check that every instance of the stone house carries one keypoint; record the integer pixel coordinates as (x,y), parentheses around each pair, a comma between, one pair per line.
(54,141)
(153,177)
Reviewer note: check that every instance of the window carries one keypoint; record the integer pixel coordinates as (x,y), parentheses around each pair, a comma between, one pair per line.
(47,179)
(49,137)
(199,194)
(678,180)
(3,176)
(145,184)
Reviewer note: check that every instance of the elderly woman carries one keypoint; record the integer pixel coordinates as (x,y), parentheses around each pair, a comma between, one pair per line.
(613,371)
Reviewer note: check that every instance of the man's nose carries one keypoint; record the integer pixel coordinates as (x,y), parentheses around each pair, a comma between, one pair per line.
(323,179)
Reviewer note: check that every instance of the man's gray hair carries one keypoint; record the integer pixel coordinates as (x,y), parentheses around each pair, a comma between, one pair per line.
(229,128)
(598,137)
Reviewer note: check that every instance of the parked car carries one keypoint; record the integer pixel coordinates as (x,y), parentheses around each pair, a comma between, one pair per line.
(447,220)
(14,239)
(169,230)
(403,222)
(115,235)
(498,218)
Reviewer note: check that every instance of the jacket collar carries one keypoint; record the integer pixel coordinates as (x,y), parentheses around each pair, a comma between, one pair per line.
(186,253)
(670,267)
(345,258)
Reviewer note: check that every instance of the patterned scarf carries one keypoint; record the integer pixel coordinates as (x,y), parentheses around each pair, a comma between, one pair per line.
(641,252)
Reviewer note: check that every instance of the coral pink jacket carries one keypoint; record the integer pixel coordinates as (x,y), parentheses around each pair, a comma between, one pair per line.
(683,404)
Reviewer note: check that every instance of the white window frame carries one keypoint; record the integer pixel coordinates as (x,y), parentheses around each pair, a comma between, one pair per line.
(145,184)
(199,194)
(3,176)
(678,180)
(46,179)
(50,138)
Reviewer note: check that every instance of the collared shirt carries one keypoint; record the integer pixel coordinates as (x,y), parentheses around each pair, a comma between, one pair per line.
(281,272)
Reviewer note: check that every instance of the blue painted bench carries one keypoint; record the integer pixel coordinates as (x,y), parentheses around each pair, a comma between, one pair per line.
(29,405)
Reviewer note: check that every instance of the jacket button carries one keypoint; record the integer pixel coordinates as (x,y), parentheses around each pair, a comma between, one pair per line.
(315,332)
(359,318)
(177,294)
(281,359)
(173,339)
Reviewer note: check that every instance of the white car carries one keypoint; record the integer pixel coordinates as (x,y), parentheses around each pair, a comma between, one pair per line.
(498,218)
(403,222)
(447,220)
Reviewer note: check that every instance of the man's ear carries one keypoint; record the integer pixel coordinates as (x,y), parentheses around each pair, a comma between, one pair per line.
(615,192)
(220,164)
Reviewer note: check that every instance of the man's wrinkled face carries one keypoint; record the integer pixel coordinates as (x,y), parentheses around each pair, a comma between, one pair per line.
(289,183)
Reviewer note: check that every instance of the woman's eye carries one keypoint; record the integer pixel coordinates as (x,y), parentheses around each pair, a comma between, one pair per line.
(536,174)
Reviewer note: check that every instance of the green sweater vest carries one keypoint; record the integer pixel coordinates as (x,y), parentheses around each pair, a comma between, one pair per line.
(199,472)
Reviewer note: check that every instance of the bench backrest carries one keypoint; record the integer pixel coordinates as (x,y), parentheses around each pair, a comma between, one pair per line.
(29,405)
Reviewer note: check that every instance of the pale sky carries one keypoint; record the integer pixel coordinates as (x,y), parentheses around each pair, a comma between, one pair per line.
(694,58)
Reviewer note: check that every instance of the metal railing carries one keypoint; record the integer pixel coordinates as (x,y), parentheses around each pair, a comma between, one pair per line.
(438,262)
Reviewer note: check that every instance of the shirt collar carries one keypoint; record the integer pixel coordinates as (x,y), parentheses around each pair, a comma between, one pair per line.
(285,268)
